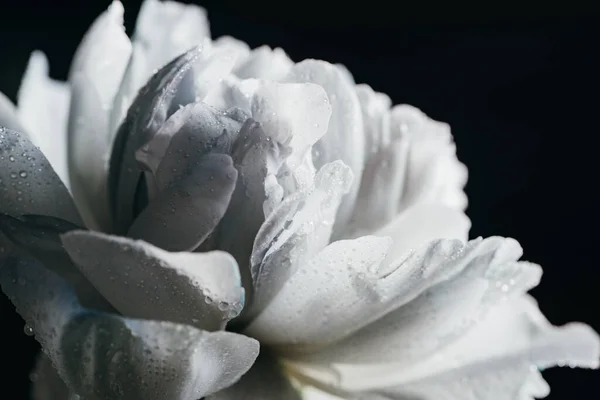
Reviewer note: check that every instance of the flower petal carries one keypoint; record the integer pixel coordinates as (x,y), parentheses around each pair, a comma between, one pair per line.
(437,317)
(371,288)
(43,106)
(95,76)
(181,216)
(302,230)
(255,156)
(496,360)
(265,63)
(143,281)
(166,29)
(264,381)
(344,139)
(103,54)
(28,183)
(423,223)
(158,100)
(191,133)
(332,286)
(434,173)
(104,356)
(39,236)
(47,384)
(8,115)
(88,153)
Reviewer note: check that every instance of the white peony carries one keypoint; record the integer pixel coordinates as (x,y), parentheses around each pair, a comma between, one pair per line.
(240,200)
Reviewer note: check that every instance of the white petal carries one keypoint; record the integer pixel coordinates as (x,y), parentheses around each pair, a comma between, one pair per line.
(162,96)
(103,54)
(89,152)
(95,76)
(43,106)
(496,360)
(423,223)
(182,216)
(344,139)
(166,29)
(434,172)
(264,381)
(39,237)
(437,317)
(104,356)
(295,114)
(143,281)
(323,294)
(376,291)
(8,115)
(265,63)
(302,230)
(241,49)
(28,184)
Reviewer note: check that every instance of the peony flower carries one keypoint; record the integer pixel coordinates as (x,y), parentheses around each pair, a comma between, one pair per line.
(181,202)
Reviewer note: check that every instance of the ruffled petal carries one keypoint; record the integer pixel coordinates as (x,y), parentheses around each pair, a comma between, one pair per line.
(8,115)
(373,288)
(182,216)
(421,224)
(344,139)
(103,356)
(438,316)
(434,174)
(499,359)
(255,156)
(264,381)
(325,292)
(95,76)
(28,184)
(265,63)
(43,106)
(168,90)
(299,229)
(166,29)
(143,281)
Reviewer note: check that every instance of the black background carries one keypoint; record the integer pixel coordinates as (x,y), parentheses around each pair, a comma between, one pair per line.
(520,92)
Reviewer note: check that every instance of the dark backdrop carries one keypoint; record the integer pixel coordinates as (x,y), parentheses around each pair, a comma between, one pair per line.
(521,95)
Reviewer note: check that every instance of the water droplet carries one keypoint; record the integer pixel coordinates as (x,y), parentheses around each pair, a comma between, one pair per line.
(23,174)
(28,330)
(208,300)
(11,158)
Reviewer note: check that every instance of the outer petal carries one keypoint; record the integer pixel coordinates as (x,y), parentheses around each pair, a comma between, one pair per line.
(371,289)
(95,77)
(423,223)
(265,63)
(166,29)
(496,360)
(28,184)
(103,356)
(299,229)
(344,139)
(331,287)
(8,115)
(142,281)
(437,317)
(158,100)
(434,172)
(264,381)
(43,106)
(39,236)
